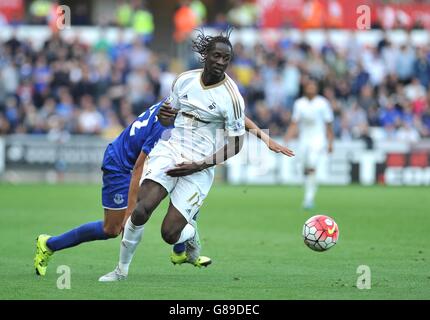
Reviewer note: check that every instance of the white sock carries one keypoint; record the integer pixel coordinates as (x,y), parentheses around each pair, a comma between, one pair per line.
(310,188)
(187,233)
(131,239)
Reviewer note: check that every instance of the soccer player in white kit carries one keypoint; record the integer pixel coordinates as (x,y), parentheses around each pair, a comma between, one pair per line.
(209,129)
(312,118)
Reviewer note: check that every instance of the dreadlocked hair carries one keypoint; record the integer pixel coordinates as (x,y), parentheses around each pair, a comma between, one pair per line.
(203,43)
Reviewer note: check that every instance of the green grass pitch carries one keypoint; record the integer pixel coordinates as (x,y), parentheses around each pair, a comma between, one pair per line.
(253,235)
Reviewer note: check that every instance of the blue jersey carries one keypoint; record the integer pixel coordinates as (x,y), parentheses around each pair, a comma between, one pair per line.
(139,136)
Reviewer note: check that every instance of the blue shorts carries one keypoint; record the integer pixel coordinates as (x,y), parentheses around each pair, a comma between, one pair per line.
(116,182)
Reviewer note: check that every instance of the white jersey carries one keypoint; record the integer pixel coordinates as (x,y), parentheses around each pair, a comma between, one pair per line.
(312,117)
(206,115)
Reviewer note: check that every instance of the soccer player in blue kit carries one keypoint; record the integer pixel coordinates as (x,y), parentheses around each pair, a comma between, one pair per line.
(122,168)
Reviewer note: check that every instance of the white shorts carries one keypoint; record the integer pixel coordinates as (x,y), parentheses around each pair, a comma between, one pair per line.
(310,154)
(186,193)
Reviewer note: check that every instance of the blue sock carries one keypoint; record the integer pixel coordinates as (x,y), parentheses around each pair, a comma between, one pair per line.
(87,232)
(180,247)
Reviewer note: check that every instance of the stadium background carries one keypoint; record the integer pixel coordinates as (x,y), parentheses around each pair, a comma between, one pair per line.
(64,94)
(67,88)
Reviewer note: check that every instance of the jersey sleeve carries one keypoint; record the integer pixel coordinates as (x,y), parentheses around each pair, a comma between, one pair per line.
(235,116)
(153,133)
(151,140)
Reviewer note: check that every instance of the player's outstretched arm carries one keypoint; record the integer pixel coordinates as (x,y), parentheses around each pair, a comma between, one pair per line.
(134,185)
(330,136)
(251,127)
(233,147)
(291,132)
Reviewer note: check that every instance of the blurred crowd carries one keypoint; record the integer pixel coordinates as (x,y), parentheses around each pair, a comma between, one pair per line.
(69,87)
(72,88)
(380,92)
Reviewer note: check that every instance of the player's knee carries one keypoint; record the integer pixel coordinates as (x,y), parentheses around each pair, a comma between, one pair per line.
(112,231)
(140,214)
(309,171)
(169,235)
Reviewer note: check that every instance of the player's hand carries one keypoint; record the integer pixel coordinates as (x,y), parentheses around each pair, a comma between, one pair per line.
(167,114)
(330,148)
(276,147)
(185,169)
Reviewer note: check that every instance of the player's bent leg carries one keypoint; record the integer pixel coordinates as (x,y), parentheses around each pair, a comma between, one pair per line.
(175,228)
(150,195)
(193,248)
(187,197)
(173,234)
(171,229)
(113,222)
(179,248)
